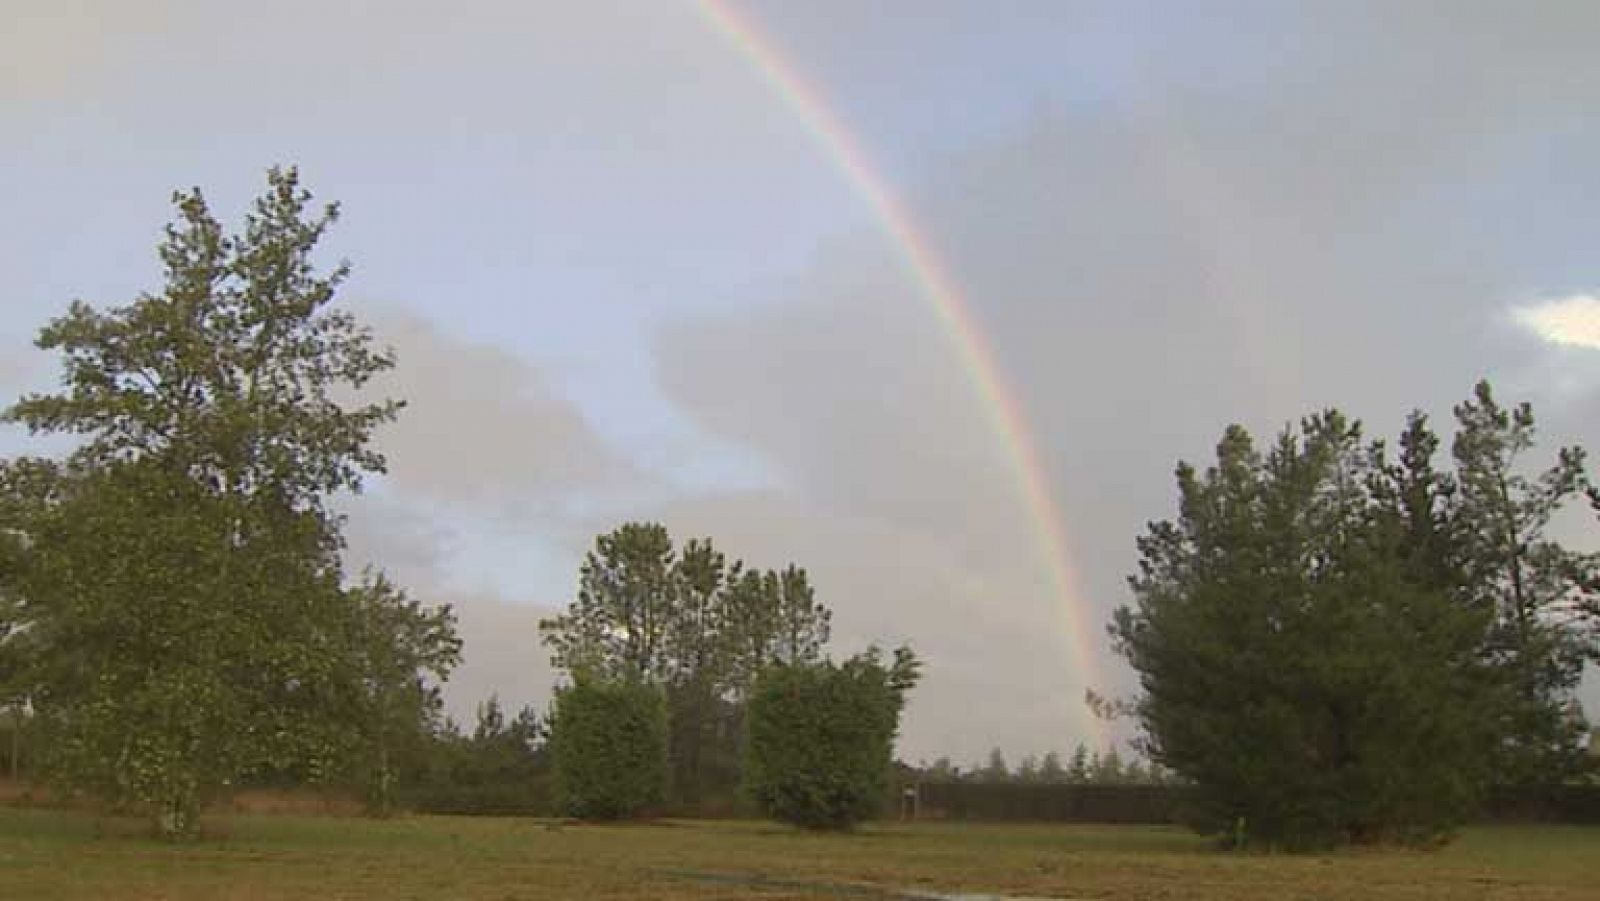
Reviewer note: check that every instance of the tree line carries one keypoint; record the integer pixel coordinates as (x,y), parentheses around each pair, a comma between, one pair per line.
(1082,767)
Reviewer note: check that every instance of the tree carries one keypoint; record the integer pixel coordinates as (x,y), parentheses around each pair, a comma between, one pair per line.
(1106,769)
(1298,663)
(233,374)
(996,770)
(941,770)
(696,625)
(1530,583)
(1078,769)
(402,652)
(178,642)
(619,626)
(609,741)
(179,579)
(1051,771)
(698,668)
(821,737)
(1028,771)
(771,618)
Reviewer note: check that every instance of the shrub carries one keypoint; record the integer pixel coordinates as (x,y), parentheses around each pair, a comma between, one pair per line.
(609,741)
(820,738)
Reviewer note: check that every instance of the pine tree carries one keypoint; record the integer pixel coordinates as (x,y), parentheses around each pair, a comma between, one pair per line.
(1300,665)
(1078,770)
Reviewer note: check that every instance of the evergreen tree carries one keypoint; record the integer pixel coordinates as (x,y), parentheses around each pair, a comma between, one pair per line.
(1078,770)
(1299,664)
(1107,768)
(995,770)
(1051,771)
(1028,771)
(1528,582)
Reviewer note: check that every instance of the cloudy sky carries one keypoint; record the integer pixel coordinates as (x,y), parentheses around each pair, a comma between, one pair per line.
(626,280)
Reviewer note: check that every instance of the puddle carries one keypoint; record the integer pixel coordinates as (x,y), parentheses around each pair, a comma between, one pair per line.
(842,889)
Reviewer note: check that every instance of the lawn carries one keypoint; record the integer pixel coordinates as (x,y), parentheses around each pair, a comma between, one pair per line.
(51,855)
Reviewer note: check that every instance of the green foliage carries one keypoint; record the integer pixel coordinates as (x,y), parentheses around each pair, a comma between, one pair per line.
(1301,659)
(400,650)
(693,623)
(1510,567)
(181,638)
(171,598)
(1078,771)
(821,736)
(502,767)
(609,745)
(231,373)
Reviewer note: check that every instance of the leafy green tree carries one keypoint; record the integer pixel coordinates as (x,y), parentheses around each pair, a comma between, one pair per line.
(821,737)
(402,652)
(178,641)
(609,743)
(233,374)
(693,623)
(620,625)
(1528,580)
(698,666)
(178,579)
(1297,664)
(771,619)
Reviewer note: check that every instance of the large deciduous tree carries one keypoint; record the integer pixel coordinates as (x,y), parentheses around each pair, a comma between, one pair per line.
(177,578)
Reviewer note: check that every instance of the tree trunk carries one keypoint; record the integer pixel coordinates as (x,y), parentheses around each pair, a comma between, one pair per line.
(16,742)
(180,815)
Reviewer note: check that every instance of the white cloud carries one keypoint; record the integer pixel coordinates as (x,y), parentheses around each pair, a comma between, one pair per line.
(1572,321)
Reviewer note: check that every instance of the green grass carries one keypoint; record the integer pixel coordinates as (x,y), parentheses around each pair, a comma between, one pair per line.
(49,854)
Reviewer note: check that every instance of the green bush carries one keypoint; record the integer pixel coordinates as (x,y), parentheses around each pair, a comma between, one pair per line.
(609,741)
(820,737)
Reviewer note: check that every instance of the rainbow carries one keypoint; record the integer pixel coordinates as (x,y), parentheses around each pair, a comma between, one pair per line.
(954,314)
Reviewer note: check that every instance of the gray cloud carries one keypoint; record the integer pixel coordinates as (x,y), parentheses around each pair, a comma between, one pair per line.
(501,650)
(1192,254)
(484,429)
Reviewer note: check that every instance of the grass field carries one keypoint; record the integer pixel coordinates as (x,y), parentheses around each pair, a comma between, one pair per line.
(50,855)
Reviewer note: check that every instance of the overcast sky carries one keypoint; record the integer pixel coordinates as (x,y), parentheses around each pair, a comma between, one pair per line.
(625,282)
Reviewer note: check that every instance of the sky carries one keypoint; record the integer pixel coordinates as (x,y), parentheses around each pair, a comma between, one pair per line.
(628,279)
